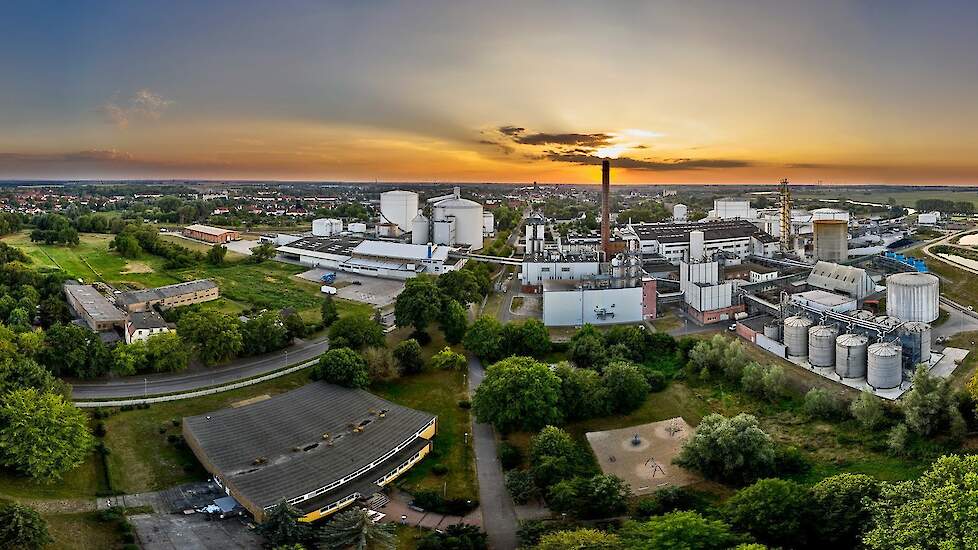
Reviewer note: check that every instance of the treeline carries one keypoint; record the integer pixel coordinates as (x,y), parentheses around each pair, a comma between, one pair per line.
(945,206)
(134,239)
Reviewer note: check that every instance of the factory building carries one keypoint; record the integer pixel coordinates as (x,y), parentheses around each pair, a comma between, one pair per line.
(140,326)
(384,259)
(706,298)
(695,241)
(928,218)
(93,309)
(732,209)
(822,300)
(852,281)
(320,448)
(831,240)
(325,227)
(169,296)
(575,303)
(210,234)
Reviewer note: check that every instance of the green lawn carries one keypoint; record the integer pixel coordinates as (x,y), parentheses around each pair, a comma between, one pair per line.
(82,531)
(82,482)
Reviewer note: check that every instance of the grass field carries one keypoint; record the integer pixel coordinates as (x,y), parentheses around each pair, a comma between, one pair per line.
(82,531)
(904,197)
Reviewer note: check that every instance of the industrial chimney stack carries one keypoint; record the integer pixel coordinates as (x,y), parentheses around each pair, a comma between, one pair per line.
(605,209)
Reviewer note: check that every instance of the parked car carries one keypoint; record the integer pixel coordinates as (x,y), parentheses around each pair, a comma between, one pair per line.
(330,290)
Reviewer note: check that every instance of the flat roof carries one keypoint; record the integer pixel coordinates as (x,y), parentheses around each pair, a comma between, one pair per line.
(168,291)
(401,251)
(824,297)
(296,442)
(95,305)
(336,245)
(210,230)
(713,230)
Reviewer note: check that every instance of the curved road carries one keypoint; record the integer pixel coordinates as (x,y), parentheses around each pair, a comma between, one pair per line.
(156,384)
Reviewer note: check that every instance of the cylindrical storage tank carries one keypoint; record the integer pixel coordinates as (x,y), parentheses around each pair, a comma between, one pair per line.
(488,223)
(468,219)
(821,345)
(696,245)
(325,227)
(913,296)
(864,314)
(850,355)
(884,365)
(915,339)
(831,240)
(399,207)
(679,212)
(887,321)
(420,229)
(796,335)
(773,331)
(357,227)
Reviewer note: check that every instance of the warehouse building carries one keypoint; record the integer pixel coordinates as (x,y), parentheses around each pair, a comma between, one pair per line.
(385,259)
(320,448)
(846,279)
(698,240)
(210,234)
(170,296)
(95,310)
(575,303)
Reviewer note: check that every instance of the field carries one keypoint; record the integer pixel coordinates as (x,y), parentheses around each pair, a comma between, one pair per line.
(82,531)
(907,197)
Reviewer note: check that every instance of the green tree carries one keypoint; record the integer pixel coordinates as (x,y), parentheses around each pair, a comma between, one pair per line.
(841,505)
(356,332)
(214,336)
(41,434)
(22,528)
(484,338)
(344,367)
(128,359)
(23,373)
(407,353)
(518,393)
(263,333)
(295,327)
(582,394)
(867,409)
(355,529)
(282,526)
(822,404)
(328,311)
(520,485)
(579,539)
(381,366)
(216,254)
(625,387)
(167,352)
(587,348)
(453,322)
(126,245)
(776,512)
(446,359)
(934,511)
(731,450)
(19,319)
(71,350)
(535,338)
(262,252)
(554,457)
(930,406)
(670,499)
(460,285)
(419,304)
(458,536)
(678,531)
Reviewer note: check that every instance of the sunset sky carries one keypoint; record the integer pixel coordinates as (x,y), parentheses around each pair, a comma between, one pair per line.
(685,91)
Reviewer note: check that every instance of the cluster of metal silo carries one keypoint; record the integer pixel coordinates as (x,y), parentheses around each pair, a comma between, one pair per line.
(863,314)
(884,367)
(850,355)
(888,322)
(821,345)
(913,296)
(796,335)
(773,330)
(915,339)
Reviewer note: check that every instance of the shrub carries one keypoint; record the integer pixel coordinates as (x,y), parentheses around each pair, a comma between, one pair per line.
(867,409)
(670,499)
(820,403)
(775,511)
(732,450)
(520,485)
(439,469)
(509,456)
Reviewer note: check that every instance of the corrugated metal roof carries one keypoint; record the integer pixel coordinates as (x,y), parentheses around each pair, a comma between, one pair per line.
(168,291)
(210,230)
(404,251)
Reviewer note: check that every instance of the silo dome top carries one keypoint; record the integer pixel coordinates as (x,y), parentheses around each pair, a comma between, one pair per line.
(884,349)
(912,279)
(457,202)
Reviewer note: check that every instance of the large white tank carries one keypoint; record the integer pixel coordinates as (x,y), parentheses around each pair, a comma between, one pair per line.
(680,212)
(325,227)
(420,229)
(696,246)
(884,367)
(850,355)
(913,296)
(468,219)
(399,207)
(796,335)
(915,339)
(821,345)
(831,240)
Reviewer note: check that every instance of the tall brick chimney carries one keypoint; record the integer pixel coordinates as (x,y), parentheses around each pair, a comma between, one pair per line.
(605,208)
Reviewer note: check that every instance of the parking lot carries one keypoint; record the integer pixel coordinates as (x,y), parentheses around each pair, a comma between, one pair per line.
(193,532)
(369,290)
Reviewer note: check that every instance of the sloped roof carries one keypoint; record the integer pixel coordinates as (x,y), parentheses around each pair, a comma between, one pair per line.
(841,278)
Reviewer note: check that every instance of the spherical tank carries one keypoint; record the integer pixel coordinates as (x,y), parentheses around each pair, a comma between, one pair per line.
(796,335)
(468,219)
(850,355)
(915,338)
(821,345)
(913,296)
(884,366)
(831,240)
(399,207)
(420,229)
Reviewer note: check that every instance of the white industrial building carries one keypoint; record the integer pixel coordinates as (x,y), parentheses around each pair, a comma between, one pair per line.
(574,303)
(845,279)
(694,241)
(326,227)
(399,207)
(488,224)
(389,260)
(731,209)
(928,218)
(454,221)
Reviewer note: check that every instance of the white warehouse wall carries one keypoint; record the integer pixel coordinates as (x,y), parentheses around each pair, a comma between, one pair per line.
(577,307)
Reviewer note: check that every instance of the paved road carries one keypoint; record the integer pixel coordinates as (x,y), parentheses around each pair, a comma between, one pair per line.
(156,384)
(498,513)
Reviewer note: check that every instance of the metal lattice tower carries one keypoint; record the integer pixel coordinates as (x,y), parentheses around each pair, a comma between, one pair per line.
(785,216)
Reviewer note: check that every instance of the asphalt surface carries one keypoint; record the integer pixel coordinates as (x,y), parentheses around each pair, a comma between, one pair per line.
(156,384)
(498,512)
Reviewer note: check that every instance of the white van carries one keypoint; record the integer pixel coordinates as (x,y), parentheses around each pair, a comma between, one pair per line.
(326,289)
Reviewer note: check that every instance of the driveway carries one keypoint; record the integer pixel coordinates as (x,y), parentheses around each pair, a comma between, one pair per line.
(498,513)
(205,377)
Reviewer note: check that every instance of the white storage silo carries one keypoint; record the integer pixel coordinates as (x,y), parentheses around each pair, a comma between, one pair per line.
(831,240)
(884,366)
(913,296)
(468,219)
(488,223)
(850,355)
(821,345)
(680,212)
(796,335)
(420,230)
(399,207)
(696,246)
(326,227)
(357,227)
(915,339)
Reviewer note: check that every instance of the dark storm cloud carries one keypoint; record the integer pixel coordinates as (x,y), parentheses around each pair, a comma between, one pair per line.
(511,130)
(651,165)
(580,140)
